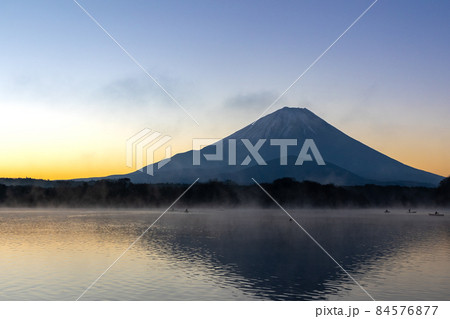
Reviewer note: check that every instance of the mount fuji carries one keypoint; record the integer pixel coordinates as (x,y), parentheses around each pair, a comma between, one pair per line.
(347,161)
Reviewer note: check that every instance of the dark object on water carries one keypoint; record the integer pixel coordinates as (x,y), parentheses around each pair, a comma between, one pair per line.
(436,214)
(290,219)
(411,212)
(186,210)
(386,211)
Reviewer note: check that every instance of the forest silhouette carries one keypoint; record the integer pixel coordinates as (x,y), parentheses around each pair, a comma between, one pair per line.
(288,192)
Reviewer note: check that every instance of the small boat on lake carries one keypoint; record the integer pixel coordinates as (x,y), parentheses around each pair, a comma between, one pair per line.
(387,211)
(436,214)
(411,212)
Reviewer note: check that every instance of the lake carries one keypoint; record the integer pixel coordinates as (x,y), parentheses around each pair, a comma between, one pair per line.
(233,254)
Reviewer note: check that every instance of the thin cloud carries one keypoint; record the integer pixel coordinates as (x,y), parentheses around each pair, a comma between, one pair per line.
(250,100)
(139,92)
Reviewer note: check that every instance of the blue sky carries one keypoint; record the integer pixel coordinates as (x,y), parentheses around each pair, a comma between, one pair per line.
(65,82)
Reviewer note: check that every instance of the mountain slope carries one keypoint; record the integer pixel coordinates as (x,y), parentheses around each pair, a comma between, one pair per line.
(349,162)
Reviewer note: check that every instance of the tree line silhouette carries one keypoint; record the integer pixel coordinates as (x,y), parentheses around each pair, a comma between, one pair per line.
(288,192)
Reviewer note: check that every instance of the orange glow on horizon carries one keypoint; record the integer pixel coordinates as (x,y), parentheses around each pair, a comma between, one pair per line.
(46,166)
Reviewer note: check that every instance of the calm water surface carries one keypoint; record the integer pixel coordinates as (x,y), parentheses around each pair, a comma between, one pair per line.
(223,255)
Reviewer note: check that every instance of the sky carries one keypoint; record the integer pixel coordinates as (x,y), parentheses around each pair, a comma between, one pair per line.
(70,97)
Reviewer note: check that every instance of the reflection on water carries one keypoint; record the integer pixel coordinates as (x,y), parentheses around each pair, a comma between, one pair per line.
(223,255)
